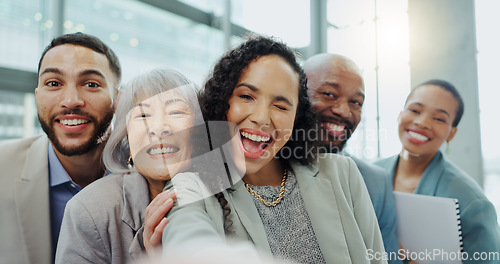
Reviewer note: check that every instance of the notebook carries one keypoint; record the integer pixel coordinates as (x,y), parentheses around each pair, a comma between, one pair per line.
(429,228)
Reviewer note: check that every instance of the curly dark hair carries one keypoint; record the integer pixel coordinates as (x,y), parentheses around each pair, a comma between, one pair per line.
(226,74)
(222,81)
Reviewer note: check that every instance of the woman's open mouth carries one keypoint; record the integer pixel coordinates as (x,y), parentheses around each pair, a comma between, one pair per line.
(255,143)
(163,150)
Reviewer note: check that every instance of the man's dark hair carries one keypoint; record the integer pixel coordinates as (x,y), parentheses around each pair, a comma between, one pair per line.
(87,41)
(448,87)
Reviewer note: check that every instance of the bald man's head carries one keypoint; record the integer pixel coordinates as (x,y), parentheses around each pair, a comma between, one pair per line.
(330,62)
(337,93)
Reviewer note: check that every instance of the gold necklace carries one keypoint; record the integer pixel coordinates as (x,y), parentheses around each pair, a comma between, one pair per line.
(280,196)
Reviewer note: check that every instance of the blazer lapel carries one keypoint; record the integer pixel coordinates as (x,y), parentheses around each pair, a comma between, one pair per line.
(249,216)
(32,203)
(321,206)
(135,201)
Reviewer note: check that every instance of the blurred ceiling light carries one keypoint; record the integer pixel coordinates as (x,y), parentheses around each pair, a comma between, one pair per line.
(80,28)
(134,42)
(68,24)
(114,37)
(49,23)
(38,16)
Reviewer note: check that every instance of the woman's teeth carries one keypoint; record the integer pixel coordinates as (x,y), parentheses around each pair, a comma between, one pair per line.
(164,150)
(255,137)
(418,136)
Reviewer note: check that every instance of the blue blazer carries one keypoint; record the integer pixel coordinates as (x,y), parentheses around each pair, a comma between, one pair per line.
(480,229)
(380,190)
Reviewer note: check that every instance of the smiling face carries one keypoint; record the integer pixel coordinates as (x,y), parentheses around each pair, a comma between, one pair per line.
(336,92)
(263,105)
(426,121)
(158,131)
(74,98)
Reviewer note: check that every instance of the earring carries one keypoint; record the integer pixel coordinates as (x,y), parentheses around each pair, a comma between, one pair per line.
(447,147)
(130,162)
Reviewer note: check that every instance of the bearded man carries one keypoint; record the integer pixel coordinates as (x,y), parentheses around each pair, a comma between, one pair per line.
(78,76)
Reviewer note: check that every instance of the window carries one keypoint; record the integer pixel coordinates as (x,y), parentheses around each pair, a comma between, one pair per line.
(380,48)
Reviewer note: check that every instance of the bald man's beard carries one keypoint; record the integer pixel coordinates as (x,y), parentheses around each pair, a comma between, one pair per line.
(332,144)
(100,129)
(335,145)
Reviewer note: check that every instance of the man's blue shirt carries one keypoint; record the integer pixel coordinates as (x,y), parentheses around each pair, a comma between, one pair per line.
(62,188)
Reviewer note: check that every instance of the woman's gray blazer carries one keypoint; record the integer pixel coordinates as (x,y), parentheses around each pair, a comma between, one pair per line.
(103,223)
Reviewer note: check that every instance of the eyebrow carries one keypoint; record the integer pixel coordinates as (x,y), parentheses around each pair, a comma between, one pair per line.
(91,72)
(81,74)
(51,70)
(443,111)
(437,110)
(170,101)
(278,98)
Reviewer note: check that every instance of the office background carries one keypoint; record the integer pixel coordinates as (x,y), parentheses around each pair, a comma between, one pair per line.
(397,43)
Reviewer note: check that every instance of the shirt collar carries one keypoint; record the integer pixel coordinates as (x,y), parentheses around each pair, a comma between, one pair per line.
(57,173)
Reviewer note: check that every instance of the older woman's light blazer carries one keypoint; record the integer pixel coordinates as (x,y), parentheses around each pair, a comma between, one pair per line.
(334,195)
(103,223)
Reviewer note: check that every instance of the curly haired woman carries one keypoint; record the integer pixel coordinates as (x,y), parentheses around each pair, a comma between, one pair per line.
(290,203)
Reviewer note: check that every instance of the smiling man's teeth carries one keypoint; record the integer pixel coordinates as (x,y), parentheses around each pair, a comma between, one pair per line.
(335,127)
(418,136)
(73,122)
(254,137)
(164,150)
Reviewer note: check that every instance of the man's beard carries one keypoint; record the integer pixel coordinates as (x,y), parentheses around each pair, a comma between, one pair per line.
(336,144)
(336,147)
(100,129)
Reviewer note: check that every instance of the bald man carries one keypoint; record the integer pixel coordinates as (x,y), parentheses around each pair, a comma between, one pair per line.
(337,93)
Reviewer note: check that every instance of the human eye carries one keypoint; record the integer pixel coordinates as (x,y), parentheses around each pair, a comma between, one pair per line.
(245,97)
(177,112)
(413,110)
(357,103)
(177,109)
(281,107)
(328,95)
(139,113)
(92,85)
(441,119)
(53,83)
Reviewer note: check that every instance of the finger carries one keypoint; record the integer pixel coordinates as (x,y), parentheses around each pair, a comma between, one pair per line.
(171,194)
(155,239)
(152,220)
(158,201)
(162,197)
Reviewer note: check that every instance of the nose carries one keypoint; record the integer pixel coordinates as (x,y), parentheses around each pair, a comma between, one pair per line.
(341,108)
(260,115)
(422,120)
(159,128)
(71,97)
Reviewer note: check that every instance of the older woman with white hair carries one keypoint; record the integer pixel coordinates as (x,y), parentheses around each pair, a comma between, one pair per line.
(152,141)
